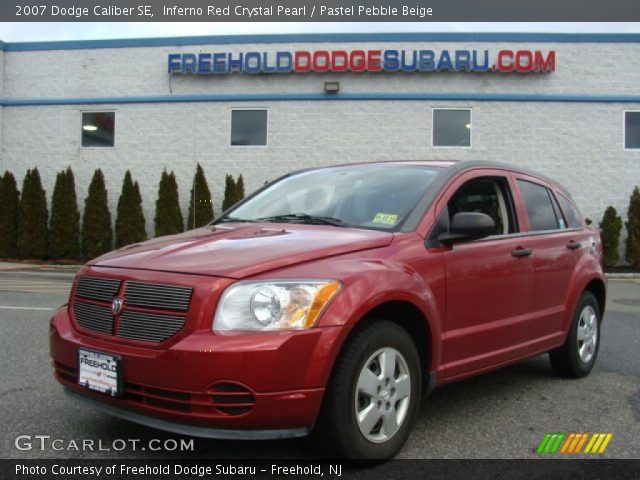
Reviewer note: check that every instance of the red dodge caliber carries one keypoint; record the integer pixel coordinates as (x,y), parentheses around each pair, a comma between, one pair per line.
(334,298)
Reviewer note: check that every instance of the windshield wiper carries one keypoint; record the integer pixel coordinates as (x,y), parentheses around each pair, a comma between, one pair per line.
(305,218)
(228,219)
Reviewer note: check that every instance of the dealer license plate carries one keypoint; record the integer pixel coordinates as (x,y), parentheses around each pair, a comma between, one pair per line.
(99,371)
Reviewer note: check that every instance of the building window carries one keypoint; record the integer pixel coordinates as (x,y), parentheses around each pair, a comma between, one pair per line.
(451,127)
(632,130)
(98,129)
(249,127)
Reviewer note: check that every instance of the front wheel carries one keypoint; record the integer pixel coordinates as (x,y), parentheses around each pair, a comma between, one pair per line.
(576,357)
(372,400)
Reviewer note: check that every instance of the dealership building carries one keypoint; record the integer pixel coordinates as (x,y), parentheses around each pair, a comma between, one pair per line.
(567,105)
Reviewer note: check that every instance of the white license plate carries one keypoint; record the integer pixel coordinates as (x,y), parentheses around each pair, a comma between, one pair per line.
(100,372)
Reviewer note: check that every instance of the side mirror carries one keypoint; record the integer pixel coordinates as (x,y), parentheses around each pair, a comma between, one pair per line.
(467,226)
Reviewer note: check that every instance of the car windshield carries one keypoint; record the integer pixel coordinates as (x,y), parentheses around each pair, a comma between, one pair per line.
(366,196)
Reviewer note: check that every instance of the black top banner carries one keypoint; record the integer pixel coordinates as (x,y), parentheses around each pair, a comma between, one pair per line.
(320,11)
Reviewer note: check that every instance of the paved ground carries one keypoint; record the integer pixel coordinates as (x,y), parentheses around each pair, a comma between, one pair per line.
(499,415)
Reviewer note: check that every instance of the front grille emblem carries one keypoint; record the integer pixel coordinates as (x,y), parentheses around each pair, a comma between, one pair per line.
(116,306)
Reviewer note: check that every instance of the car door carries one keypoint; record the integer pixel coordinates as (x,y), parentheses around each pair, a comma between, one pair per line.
(557,247)
(488,281)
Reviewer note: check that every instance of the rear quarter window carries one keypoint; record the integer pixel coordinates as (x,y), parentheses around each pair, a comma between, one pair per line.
(539,206)
(571,213)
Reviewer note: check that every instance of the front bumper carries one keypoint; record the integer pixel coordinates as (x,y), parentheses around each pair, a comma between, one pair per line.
(260,385)
(185,429)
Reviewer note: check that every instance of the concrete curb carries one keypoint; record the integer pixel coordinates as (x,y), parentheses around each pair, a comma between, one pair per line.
(35,270)
(623,276)
(39,270)
(36,274)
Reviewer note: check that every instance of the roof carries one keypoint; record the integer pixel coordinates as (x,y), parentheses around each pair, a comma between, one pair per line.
(452,167)
(472,164)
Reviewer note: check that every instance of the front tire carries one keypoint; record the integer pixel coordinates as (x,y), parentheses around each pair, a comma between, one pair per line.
(576,357)
(372,400)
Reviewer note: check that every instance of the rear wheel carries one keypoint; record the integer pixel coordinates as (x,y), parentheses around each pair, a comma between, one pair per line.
(373,397)
(577,356)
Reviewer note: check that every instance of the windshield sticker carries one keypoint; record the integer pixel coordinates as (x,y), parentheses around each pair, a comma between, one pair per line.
(385,218)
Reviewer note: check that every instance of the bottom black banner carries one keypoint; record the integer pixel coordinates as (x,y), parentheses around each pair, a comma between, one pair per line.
(181,469)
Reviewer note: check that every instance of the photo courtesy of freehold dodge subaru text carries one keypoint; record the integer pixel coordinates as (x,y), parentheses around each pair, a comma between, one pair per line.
(333,299)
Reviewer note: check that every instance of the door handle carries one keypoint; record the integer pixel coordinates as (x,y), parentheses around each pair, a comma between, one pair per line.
(521,252)
(573,245)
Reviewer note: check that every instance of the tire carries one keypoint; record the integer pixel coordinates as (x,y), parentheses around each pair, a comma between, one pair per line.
(576,357)
(361,388)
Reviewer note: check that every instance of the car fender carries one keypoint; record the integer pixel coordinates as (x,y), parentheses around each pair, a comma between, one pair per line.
(586,270)
(374,283)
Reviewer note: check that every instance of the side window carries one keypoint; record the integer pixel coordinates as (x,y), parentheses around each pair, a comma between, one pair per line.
(543,213)
(556,209)
(571,213)
(488,195)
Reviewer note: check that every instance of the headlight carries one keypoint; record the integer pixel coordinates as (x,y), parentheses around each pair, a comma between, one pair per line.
(274,304)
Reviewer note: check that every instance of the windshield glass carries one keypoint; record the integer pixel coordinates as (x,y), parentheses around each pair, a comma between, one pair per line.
(368,196)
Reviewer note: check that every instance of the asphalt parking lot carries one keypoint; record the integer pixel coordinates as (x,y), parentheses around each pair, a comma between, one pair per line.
(503,414)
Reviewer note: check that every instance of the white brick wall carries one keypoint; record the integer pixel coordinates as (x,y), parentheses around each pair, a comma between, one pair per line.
(580,144)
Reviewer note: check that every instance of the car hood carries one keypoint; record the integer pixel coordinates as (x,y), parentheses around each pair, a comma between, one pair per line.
(243,249)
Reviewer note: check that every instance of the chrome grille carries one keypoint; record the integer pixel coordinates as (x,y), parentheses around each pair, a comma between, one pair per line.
(142,318)
(168,297)
(148,327)
(93,317)
(95,288)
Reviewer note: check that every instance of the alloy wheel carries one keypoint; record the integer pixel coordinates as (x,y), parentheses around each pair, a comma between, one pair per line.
(382,396)
(587,333)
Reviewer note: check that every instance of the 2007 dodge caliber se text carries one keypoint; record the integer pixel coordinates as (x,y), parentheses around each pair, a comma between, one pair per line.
(333,299)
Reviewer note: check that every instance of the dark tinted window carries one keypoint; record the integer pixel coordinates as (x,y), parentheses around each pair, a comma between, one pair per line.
(556,209)
(539,206)
(249,127)
(98,129)
(451,127)
(574,219)
(632,130)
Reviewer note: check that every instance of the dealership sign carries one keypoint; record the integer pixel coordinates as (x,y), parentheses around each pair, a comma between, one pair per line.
(303,61)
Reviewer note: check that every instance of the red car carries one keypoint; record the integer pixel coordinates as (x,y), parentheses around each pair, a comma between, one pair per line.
(335,298)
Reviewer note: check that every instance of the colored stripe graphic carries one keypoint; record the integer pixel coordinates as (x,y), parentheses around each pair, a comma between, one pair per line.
(582,440)
(558,442)
(568,442)
(543,443)
(550,443)
(572,443)
(606,441)
(593,439)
